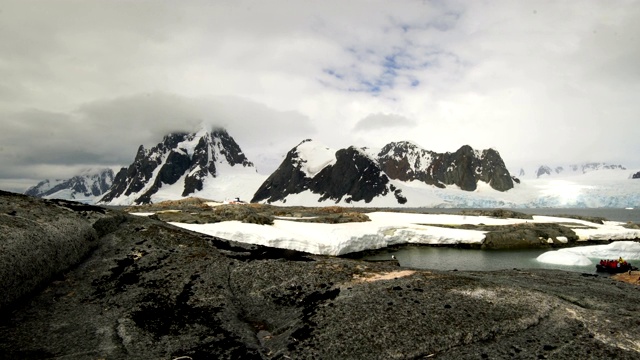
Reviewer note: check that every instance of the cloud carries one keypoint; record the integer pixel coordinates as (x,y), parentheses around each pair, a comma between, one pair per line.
(381,121)
(38,144)
(539,81)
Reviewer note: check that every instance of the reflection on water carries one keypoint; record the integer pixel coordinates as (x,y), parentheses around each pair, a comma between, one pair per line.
(442,258)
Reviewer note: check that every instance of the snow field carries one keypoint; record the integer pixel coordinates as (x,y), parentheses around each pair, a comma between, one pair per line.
(384,229)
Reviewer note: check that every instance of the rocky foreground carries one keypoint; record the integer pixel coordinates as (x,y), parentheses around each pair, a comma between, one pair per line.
(84,282)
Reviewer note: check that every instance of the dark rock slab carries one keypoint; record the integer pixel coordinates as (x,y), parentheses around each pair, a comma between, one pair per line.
(529,236)
(354,177)
(39,239)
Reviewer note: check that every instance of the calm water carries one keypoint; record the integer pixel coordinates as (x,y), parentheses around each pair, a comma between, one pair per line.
(441,258)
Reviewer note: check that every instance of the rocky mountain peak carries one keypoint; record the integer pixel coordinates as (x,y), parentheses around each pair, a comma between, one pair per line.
(406,161)
(294,174)
(186,159)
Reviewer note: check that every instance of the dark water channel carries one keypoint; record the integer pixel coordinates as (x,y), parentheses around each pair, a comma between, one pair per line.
(443,258)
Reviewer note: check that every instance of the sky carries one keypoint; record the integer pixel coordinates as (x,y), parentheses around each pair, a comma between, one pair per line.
(84,83)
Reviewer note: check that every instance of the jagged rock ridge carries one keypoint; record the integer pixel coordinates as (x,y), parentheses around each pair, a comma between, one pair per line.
(188,157)
(353,174)
(86,186)
(406,162)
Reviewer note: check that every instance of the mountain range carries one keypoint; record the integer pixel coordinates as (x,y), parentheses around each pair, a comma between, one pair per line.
(89,186)
(357,174)
(568,170)
(210,164)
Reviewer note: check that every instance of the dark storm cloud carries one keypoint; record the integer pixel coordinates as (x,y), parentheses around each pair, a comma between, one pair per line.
(40,144)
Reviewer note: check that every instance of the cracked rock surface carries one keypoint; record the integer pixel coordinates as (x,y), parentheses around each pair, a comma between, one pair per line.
(147,290)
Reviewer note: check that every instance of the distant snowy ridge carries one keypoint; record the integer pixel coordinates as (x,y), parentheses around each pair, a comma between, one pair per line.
(87,186)
(207,164)
(568,170)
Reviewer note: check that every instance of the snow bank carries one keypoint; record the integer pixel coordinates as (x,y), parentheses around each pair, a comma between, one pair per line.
(564,258)
(384,229)
(590,255)
(316,157)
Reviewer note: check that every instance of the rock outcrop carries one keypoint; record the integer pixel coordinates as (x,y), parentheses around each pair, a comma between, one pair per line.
(39,239)
(354,176)
(151,290)
(636,175)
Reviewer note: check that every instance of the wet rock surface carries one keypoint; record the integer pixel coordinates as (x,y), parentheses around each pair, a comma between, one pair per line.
(150,290)
(529,235)
(40,238)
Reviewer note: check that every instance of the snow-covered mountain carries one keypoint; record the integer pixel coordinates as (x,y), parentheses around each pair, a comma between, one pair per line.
(312,172)
(312,168)
(403,174)
(86,187)
(208,164)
